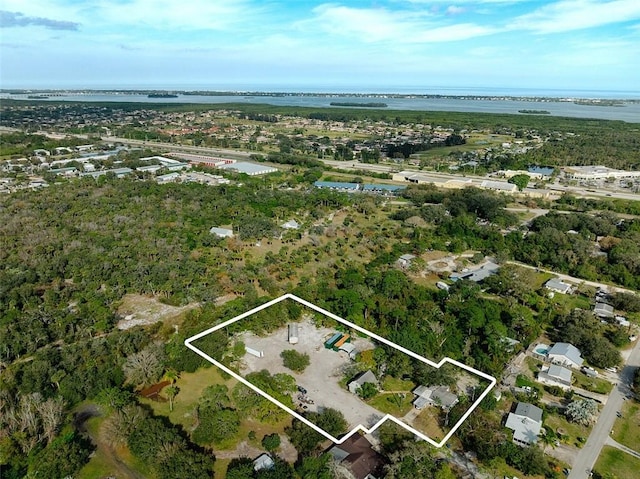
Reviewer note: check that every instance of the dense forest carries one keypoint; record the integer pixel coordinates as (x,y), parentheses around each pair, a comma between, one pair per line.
(71,252)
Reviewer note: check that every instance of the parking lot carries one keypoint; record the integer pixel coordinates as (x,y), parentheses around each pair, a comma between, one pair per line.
(321,378)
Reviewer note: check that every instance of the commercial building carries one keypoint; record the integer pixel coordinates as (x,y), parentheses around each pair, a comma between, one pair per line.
(251,169)
(598,172)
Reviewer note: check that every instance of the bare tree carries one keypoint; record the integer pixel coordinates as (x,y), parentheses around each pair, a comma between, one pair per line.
(145,367)
(52,414)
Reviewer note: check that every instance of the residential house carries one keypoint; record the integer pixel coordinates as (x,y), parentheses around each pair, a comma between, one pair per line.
(477,274)
(405,260)
(263,461)
(291,225)
(565,354)
(556,375)
(221,232)
(558,286)
(434,395)
(356,459)
(361,379)
(526,423)
(603,310)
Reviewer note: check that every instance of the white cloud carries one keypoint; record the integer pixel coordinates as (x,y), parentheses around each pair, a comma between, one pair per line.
(400,26)
(569,15)
(455,10)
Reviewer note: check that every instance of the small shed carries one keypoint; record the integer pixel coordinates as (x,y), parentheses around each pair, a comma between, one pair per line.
(332,340)
(341,341)
(293,333)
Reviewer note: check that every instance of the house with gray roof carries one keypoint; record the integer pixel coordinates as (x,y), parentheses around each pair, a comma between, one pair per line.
(405,260)
(556,375)
(263,461)
(361,379)
(565,354)
(478,273)
(603,310)
(526,423)
(558,286)
(434,395)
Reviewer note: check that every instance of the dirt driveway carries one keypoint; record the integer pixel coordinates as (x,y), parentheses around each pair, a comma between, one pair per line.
(321,378)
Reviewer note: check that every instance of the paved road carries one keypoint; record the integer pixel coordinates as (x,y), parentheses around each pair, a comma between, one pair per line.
(575,280)
(588,455)
(176,147)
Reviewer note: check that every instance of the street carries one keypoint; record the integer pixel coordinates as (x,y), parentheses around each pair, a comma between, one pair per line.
(588,455)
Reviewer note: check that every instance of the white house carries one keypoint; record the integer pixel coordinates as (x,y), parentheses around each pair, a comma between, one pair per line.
(221,232)
(558,286)
(565,354)
(263,461)
(291,225)
(525,423)
(555,375)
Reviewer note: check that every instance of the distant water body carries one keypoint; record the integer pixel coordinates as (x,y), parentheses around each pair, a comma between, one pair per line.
(499,103)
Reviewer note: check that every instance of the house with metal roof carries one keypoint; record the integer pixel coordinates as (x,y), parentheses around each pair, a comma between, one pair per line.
(361,379)
(603,310)
(262,462)
(565,354)
(251,169)
(558,286)
(434,396)
(221,232)
(290,225)
(555,375)
(526,423)
(477,274)
(405,260)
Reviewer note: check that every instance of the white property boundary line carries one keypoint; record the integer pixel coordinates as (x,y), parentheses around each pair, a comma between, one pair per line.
(359,427)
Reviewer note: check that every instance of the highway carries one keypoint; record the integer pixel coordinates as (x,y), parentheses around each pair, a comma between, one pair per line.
(224,152)
(588,455)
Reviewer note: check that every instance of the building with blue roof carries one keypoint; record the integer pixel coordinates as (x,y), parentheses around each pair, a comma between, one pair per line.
(337,186)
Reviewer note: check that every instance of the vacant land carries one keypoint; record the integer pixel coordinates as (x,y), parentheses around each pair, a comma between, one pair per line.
(137,310)
(617,463)
(322,377)
(626,428)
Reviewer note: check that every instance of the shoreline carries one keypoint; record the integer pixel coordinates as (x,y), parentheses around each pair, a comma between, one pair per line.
(12,93)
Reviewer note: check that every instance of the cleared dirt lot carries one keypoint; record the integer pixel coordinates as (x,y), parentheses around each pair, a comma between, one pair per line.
(321,378)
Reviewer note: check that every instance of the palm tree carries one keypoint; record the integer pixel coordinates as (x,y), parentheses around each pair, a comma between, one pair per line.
(171,375)
(171,392)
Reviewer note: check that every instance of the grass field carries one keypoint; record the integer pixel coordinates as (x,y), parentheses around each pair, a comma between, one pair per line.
(572,431)
(618,463)
(626,428)
(190,387)
(427,423)
(392,403)
(596,385)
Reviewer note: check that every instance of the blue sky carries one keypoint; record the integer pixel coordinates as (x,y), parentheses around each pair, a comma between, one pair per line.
(380,45)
